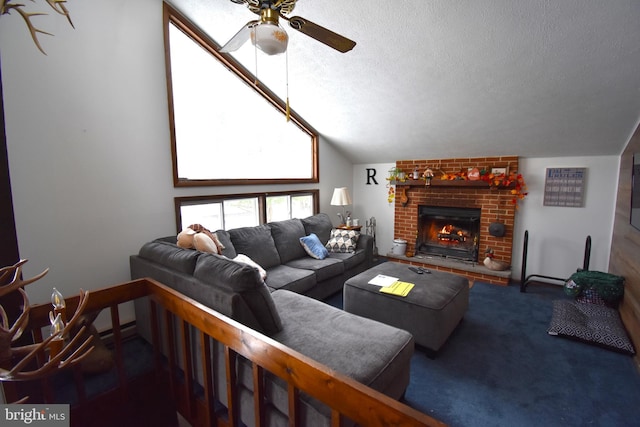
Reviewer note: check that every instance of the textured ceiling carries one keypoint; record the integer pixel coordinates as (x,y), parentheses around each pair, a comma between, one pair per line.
(445,78)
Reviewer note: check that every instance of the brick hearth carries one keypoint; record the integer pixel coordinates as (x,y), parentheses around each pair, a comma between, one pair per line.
(495,205)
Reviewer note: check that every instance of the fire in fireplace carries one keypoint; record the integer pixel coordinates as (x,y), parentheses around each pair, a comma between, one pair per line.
(448,232)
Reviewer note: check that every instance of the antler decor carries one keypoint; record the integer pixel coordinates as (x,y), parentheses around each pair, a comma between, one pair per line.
(60,350)
(6,6)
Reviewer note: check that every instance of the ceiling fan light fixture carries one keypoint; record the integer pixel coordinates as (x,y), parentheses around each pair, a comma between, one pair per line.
(270,38)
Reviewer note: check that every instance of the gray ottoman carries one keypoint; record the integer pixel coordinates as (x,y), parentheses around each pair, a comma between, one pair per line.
(431,311)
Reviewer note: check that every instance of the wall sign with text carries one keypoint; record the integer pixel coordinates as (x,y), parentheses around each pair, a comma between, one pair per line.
(565,187)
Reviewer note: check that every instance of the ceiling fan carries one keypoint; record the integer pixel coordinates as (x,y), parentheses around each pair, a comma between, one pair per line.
(267,34)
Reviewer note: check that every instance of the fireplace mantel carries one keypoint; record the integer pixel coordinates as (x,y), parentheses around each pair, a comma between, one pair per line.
(436,182)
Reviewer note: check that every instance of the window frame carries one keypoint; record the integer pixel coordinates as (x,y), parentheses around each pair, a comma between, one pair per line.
(172,16)
(262,205)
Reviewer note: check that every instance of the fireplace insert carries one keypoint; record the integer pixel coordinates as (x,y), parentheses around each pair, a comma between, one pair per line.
(448,232)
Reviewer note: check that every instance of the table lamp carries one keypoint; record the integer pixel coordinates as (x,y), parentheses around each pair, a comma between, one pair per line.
(342,198)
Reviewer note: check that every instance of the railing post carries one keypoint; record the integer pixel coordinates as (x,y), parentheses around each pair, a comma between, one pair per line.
(233,405)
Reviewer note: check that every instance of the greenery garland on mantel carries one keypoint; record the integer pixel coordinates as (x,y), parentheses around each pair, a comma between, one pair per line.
(512,181)
(6,6)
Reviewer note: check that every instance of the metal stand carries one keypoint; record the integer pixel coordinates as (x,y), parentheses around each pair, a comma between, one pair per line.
(524,279)
(370,229)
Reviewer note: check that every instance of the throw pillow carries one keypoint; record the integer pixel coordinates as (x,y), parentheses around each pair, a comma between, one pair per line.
(314,247)
(343,240)
(243,259)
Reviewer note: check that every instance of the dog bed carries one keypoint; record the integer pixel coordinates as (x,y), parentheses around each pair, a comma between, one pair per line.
(590,323)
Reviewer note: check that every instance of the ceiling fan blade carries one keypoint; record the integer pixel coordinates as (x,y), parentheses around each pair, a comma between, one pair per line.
(239,38)
(323,35)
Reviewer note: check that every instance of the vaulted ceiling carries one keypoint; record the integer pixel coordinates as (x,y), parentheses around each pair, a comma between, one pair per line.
(447,78)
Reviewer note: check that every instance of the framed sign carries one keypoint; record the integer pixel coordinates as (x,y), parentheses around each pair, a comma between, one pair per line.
(565,187)
(499,171)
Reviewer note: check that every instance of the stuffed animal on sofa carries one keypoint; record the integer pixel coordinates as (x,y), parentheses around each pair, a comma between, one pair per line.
(200,238)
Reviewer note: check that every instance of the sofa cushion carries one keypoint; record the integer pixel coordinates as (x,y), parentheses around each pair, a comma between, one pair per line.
(324,268)
(343,240)
(170,255)
(313,246)
(350,259)
(256,243)
(370,352)
(244,280)
(286,235)
(229,250)
(320,225)
(367,351)
(294,279)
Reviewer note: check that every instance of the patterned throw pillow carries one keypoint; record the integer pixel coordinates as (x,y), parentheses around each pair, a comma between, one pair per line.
(343,240)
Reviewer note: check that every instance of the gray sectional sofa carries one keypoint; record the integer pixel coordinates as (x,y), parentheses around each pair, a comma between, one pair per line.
(284,306)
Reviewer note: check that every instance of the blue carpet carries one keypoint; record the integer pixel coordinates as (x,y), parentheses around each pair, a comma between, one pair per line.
(501,368)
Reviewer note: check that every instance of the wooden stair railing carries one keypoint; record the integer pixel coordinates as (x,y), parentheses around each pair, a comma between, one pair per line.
(347,398)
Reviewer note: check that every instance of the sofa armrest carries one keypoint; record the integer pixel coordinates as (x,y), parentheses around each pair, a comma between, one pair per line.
(365,242)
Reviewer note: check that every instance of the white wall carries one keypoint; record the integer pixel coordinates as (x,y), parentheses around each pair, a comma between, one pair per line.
(87,139)
(335,171)
(88,143)
(370,200)
(556,234)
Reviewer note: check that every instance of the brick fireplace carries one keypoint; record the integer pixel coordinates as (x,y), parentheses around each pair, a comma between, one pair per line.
(493,204)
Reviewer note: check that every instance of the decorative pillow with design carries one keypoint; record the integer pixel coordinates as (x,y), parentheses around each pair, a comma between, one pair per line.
(314,247)
(343,240)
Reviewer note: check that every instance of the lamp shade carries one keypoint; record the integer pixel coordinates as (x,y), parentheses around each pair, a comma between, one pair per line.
(341,197)
(270,38)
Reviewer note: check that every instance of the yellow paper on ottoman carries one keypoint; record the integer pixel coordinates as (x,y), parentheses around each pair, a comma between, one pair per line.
(398,288)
